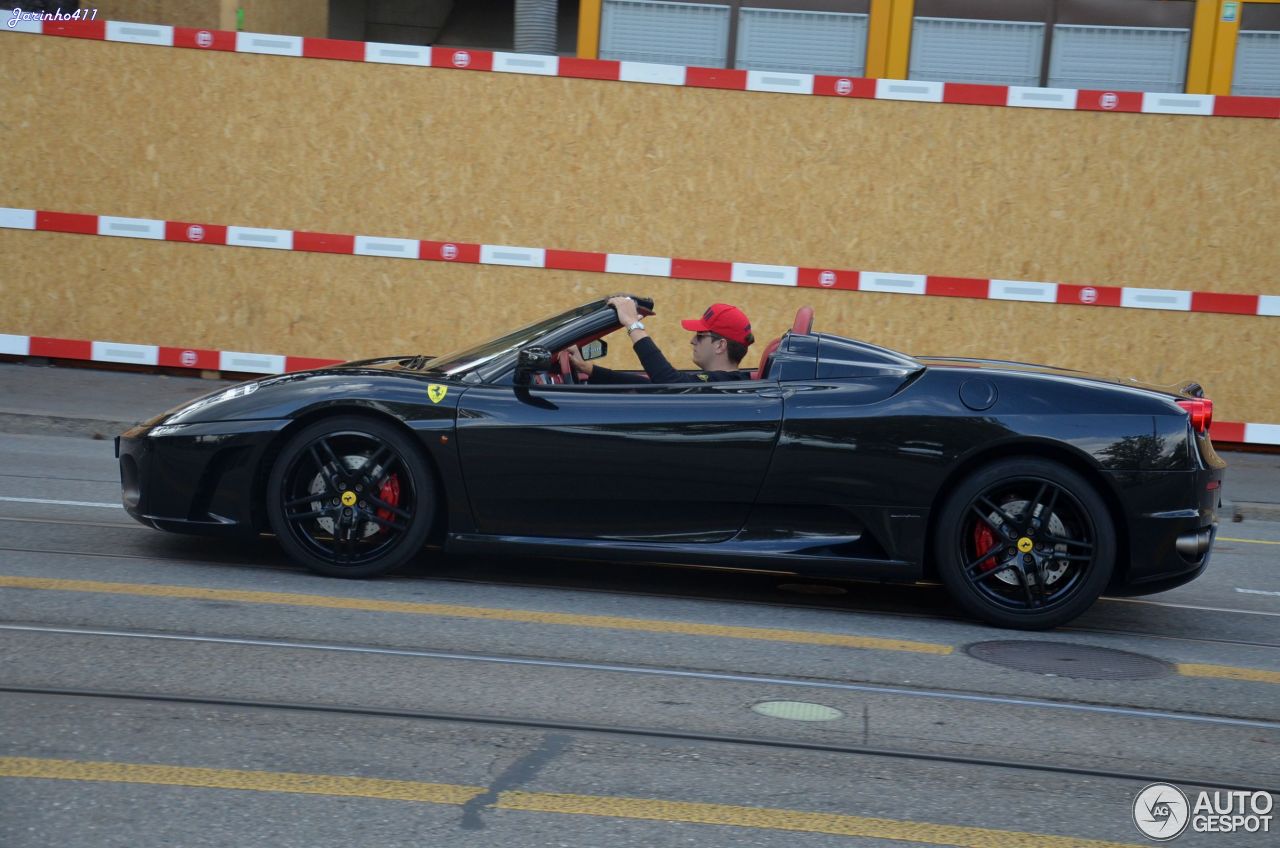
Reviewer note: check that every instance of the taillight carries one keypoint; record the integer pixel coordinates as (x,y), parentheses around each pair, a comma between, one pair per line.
(1201,412)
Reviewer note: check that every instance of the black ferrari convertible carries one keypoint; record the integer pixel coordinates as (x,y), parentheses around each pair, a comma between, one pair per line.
(1027,490)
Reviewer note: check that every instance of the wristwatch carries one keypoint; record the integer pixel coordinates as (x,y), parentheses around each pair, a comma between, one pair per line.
(635,325)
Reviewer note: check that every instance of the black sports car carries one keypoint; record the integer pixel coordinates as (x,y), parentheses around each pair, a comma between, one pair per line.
(1026,490)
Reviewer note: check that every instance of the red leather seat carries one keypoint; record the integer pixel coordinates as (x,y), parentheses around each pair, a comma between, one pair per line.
(803,324)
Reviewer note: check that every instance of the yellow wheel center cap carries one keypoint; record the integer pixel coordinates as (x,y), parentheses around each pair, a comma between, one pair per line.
(1025,545)
(348,498)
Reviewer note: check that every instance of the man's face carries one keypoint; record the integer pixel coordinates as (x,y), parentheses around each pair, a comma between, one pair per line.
(704,347)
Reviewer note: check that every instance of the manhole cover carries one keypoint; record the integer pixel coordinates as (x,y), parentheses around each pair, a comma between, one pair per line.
(797,710)
(1065,660)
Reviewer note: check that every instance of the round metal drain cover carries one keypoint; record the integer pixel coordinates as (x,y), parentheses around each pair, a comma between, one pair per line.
(1060,659)
(797,711)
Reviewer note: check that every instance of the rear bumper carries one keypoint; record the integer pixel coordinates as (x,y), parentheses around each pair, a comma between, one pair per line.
(199,478)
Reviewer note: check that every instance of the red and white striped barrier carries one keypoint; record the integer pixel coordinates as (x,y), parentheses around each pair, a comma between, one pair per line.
(820,85)
(271,363)
(1125,297)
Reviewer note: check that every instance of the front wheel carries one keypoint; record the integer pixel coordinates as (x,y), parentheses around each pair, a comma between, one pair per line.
(351,496)
(1025,543)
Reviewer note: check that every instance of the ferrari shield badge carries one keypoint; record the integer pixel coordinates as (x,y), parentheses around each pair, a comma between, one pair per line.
(436,392)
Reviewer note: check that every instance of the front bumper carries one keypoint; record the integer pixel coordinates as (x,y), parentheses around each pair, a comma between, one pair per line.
(197,478)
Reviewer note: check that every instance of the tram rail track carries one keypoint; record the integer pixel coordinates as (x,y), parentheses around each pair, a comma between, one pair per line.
(776,743)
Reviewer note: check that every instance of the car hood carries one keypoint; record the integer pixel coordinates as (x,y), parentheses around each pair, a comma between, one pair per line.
(1186,388)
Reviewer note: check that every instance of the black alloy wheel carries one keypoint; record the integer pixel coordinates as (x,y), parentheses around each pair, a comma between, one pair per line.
(351,496)
(1025,543)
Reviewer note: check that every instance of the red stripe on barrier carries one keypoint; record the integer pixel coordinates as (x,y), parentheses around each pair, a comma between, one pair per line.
(333,48)
(470,60)
(597,69)
(96,30)
(67,222)
(1235,106)
(727,78)
(1094,100)
(1089,295)
(1232,304)
(828,86)
(324,242)
(956,286)
(697,269)
(195,233)
(449,251)
(186,357)
(574,260)
(1227,431)
(974,94)
(204,39)
(61,348)
(825,278)
(306,363)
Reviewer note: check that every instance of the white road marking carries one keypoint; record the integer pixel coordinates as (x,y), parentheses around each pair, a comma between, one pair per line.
(61,503)
(1257,592)
(1188,606)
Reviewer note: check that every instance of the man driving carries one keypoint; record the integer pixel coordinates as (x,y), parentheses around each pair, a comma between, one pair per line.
(720,341)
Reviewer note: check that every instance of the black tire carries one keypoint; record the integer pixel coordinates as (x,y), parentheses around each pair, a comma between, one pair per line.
(351,496)
(1049,567)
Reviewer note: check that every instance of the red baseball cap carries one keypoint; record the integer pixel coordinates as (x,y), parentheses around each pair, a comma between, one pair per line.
(723,320)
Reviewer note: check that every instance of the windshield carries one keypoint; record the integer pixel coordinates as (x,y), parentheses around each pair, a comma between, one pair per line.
(460,361)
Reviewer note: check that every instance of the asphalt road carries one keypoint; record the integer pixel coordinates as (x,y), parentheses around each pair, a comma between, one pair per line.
(159,690)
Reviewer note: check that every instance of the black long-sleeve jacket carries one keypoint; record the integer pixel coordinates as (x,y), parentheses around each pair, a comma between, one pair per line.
(659,370)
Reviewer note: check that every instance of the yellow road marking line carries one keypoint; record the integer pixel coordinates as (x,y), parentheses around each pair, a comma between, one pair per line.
(759,818)
(1250,541)
(1228,672)
(607,622)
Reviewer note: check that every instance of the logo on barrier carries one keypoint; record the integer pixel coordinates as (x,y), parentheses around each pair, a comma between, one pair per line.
(844,86)
(1088,294)
(204,38)
(461,59)
(827,279)
(449,251)
(195,232)
(1109,100)
(188,358)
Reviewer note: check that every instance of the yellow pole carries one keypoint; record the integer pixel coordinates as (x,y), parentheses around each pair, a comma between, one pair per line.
(878,37)
(1224,47)
(589,29)
(899,53)
(1200,61)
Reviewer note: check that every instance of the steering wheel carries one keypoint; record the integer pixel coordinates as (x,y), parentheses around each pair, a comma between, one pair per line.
(567,372)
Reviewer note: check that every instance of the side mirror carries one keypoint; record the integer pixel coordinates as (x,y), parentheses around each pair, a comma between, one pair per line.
(529,361)
(598,349)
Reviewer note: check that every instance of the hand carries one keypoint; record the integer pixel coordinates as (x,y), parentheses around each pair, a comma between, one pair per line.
(628,314)
(579,364)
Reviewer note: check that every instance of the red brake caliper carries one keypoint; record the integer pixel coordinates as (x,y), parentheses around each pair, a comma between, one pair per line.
(984,540)
(389,494)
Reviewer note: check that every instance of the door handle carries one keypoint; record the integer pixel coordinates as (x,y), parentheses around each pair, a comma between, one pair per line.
(774,392)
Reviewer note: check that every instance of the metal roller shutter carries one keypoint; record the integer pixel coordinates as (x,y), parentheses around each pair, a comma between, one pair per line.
(1257,63)
(802,42)
(666,33)
(967,50)
(1124,58)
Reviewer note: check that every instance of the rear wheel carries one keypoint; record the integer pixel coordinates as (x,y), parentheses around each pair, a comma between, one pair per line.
(1025,543)
(351,496)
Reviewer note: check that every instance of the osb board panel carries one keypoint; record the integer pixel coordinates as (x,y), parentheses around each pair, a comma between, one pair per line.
(321,305)
(287,17)
(203,14)
(1145,200)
